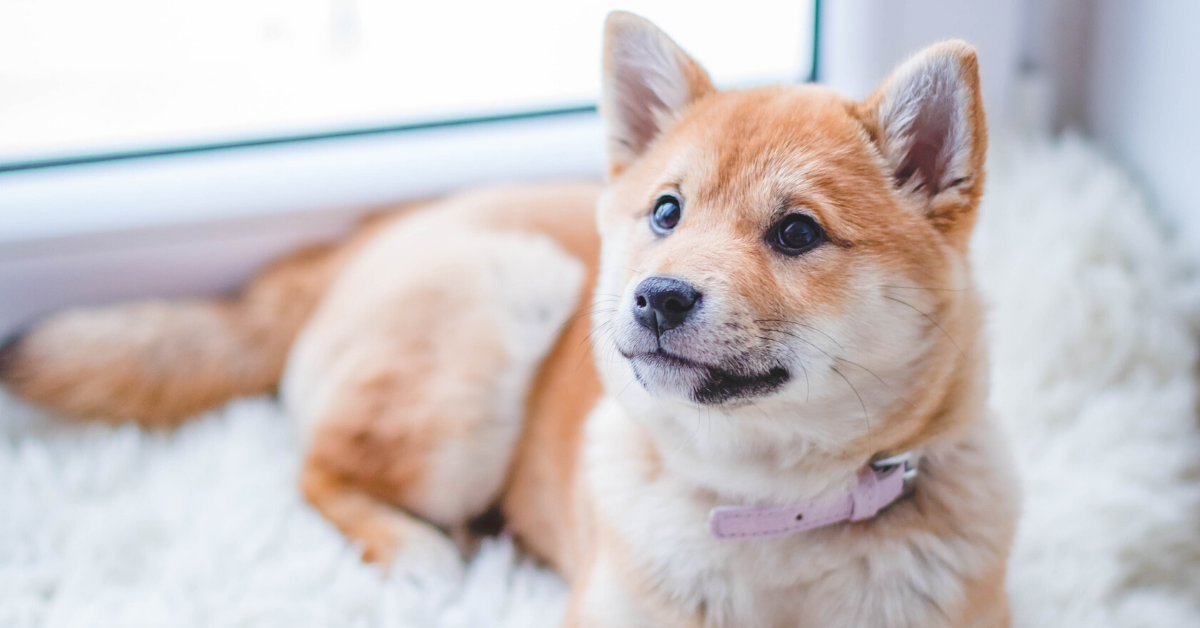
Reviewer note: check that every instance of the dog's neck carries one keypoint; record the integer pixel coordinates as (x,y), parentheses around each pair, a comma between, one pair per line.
(763,454)
(737,469)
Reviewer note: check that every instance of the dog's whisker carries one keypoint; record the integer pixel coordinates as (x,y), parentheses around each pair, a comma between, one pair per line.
(804,325)
(872,373)
(801,339)
(763,412)
(927,288)
(930,319)
(807,383)
(866,415)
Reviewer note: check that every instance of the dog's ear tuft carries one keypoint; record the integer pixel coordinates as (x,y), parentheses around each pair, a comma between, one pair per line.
(648,80)
(928,122)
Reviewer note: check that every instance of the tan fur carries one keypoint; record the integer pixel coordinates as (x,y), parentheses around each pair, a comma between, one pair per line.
(481,351)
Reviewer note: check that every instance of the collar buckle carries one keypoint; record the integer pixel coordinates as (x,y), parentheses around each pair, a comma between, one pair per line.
(910,460)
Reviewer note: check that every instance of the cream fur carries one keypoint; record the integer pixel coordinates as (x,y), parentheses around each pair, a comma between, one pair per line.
(830,577)
(506,294)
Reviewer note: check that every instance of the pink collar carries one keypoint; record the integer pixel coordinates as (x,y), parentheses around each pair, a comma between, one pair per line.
(879,485)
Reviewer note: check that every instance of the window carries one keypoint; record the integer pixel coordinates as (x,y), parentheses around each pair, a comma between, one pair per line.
(86,78)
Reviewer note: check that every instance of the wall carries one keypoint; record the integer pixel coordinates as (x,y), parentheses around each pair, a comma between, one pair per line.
(1126,72)
(863,40)
(1143,100)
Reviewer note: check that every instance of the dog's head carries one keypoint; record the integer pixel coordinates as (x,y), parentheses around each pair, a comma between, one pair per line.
(786,248)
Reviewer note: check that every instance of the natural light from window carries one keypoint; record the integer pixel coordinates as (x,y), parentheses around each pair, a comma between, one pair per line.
(82,77)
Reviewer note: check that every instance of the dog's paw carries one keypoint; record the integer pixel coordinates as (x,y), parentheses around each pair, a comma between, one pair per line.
(422,552)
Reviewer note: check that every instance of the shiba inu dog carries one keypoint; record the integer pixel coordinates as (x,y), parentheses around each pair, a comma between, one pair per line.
(741,384)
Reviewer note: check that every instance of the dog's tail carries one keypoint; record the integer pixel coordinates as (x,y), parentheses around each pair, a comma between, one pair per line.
(157,362)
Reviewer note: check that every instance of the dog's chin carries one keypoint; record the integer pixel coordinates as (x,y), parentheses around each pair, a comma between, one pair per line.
(663,373)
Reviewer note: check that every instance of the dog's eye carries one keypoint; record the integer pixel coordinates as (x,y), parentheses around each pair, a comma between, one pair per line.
(666,214)
(795,234)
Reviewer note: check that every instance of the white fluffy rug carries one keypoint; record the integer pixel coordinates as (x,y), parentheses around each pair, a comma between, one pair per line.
(1094,349)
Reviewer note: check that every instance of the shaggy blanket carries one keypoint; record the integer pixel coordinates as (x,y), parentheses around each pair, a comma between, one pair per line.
(1093,334)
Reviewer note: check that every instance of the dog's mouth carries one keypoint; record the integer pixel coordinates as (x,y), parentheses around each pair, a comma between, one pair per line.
(709,384)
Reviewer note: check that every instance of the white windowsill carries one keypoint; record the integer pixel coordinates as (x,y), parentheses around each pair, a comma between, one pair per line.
(48,203)
(201,223)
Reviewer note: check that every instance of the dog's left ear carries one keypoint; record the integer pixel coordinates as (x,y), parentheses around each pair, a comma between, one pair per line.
(927,120)
(648,81)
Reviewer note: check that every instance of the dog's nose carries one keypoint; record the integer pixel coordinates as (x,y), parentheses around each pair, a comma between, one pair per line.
(662,303)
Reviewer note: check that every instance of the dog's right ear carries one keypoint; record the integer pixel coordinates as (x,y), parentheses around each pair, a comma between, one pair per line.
(648,80)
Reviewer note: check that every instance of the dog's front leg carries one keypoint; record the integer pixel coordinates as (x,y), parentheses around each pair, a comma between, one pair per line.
(609,595)
(599,599)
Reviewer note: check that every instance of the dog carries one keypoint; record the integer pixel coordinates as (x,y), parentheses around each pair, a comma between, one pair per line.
(740,384)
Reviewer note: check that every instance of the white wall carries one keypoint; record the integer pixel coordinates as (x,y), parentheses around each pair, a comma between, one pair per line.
(1143,100)
(862,40)
(1126,72)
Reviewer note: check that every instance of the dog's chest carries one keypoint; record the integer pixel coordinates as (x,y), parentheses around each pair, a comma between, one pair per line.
(662,525)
